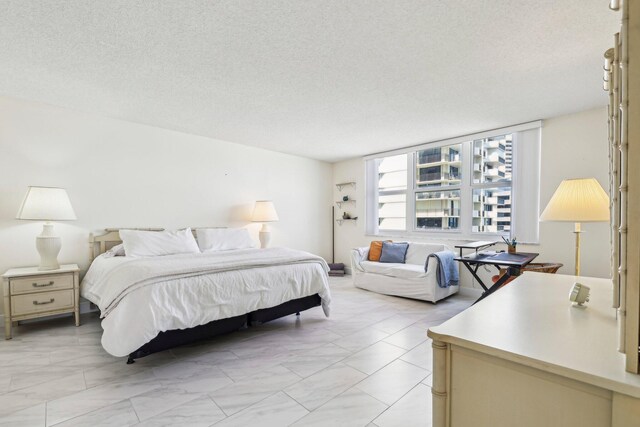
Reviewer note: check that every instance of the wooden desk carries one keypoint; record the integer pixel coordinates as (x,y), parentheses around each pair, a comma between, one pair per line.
(513,263)
(526,357)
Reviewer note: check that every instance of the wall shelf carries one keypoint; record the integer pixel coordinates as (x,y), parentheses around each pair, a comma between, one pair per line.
(341,220)
(345,184)
(341,202)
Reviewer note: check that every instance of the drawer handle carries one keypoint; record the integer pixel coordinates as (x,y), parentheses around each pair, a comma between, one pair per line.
(42,285)
(45,302)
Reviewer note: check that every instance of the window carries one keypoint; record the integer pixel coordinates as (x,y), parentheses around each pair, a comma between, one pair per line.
(466,187)
(491,195)
(392,197)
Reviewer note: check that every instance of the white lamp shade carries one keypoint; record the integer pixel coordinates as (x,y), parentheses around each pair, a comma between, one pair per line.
(264,211)
(46,204)
(578,200)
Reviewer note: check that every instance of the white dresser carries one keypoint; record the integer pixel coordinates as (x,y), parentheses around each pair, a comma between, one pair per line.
(525,357)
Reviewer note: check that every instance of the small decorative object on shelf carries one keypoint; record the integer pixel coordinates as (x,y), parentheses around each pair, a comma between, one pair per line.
(341,220)
(345,198)
(511,244)
(345,215)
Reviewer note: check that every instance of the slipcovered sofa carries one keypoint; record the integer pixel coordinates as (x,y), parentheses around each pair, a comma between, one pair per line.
(408,280)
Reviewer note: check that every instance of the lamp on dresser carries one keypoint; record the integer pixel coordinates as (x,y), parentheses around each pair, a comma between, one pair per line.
(578,200)
(264,211)
(47,204)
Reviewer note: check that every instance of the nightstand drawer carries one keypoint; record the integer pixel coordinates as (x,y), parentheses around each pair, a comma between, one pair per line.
(41,283)
(44,301)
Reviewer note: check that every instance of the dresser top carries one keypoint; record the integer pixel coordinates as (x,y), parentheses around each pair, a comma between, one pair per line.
(33,271)
(532,322)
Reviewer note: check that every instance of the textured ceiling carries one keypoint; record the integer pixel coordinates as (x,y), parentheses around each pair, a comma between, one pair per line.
(328,79)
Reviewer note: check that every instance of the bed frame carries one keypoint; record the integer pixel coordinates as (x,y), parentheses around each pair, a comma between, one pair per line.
(177,337)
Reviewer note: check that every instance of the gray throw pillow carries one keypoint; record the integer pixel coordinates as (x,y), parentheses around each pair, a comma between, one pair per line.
(394,252)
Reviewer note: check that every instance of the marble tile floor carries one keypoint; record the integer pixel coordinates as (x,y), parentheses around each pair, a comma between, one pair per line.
(369,364)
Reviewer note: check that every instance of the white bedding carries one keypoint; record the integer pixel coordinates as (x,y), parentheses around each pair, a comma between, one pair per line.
(141,297)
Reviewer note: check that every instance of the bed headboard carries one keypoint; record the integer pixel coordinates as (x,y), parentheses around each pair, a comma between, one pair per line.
(99,244)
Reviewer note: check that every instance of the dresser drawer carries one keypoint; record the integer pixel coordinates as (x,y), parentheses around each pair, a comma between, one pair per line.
(41,302)
(41,283)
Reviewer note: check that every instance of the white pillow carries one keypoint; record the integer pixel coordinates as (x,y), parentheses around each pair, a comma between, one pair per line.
(223,239)
(138,243)
(117,250)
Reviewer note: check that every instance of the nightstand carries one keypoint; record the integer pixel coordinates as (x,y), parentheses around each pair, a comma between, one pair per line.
(30,293)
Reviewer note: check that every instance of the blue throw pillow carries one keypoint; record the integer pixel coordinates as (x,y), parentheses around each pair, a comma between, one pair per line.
(394,252)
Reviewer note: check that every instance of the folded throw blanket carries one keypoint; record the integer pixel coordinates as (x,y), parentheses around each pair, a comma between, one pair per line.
(447,268)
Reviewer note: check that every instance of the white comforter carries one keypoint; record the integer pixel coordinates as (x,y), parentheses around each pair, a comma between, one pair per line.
(140,297)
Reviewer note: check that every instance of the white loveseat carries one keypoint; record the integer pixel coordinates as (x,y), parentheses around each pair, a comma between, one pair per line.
(408,280)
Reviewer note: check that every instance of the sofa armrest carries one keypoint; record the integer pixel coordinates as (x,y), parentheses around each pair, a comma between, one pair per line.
(357,256)
(431,266)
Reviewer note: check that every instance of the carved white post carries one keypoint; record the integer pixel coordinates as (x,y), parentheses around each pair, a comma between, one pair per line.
(439,390)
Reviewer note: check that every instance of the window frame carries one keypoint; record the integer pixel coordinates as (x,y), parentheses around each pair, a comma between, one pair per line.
(415,190)
(466,187)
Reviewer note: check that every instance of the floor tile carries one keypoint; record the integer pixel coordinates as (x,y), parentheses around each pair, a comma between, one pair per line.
(96,398)
(421,356)
(374,357)
(157,401)
(319,388)
(39,375)
(119,414)
(245,392)
(274,411)
(351,408)
(54,389)
(200,412)
(428,381)
(408,337)
(191,377)
(12,402)
(311,361)
(393,381)
(361,339)
(393,324)
(28,417)
(414,409)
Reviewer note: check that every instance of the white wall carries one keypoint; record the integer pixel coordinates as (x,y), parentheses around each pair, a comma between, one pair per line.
(121,174)
(573,146)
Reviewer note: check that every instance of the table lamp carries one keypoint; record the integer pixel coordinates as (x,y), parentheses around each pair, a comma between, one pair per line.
(47,204)
(264,212)
(578,200)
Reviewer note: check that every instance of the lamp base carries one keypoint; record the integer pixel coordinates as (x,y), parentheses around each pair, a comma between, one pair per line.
(265,236)
(577,230)
(48,246)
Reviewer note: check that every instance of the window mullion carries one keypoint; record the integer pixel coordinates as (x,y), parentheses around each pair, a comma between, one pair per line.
(466,206)
(410,192)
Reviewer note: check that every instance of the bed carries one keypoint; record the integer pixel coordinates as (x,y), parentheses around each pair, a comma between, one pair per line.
(153,304)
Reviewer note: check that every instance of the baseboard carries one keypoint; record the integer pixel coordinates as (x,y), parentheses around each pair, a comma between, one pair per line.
(470,292)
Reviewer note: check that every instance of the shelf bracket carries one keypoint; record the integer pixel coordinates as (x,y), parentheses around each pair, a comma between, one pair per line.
(345,184)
